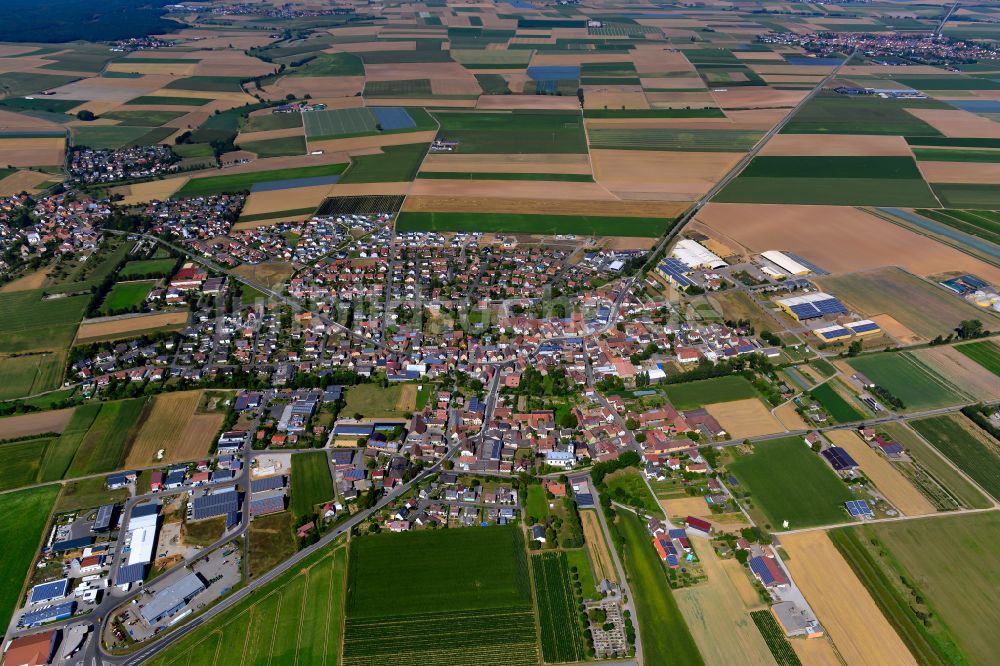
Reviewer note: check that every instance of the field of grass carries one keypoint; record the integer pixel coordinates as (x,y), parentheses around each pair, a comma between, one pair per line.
(273,121)
(331,64)
(59,454)
(955,155)
(562,636)
(398,89)
(627,486)
(786,480)
(394,164)
(289,145)
(294,619)
(87,494)
(116,136)
(888,168)
(146,268)
(463,175)
(831,113)
(579,560)
(642,227)
(29,321)
(312,483)
(242,182)
(460,597)
(22,461)
(840,410)
(29,374)
(908,379)
(272,541)
(23,516)
(125,295)
(982,223)
(820,190)
(537,505)
(692,395)
(371,400)
(967,195)
(517,132)
(686,140)
(142,118)
(986,353)
(665,636)
(966,446)
(332,123)
(104,446)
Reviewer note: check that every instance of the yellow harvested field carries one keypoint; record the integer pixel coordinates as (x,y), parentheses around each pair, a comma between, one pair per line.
(790,418)
(22,181)
(958,123)
(540,102)
(601,98)
(673,100)
(831,145)
(597,547)
(514,189)
(272,201)
(673,82)
(900,492)
(171,69)
(896,330)
(375,141)
(217,95)
(660,174)
(33,280)
(827,236)
(407,400)
(110,327)
(172,423)
(816,652)
(760,97)
(960,172)
(26,425)
(23,152)
(366,189)
(103,89)
(842,604)
(961,371)
(270,274)
(543,206)
(527,163)
(718,614)
(745,418)
(16,122)
(159,190)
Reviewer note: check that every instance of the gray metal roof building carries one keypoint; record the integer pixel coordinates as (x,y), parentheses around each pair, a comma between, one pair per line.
(268,483)
(171,599)
(130,573)
(219,504)
(51,614)
(103,521)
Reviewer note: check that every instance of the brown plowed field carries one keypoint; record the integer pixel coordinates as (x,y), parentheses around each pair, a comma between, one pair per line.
(25,425)
(123,326)
(960,172)
(668,175)
(172,424)
(829,145)
(541,163)
(961,371)
(842,604)
(47,151)
(600,558)
(958,123)
(756,97)
(512,189)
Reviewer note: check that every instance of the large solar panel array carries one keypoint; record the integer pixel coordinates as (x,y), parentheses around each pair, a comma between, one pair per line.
(818,308)
(48,591)
(863,326)
(50,614)
(859,509)
(675,269)
(269,483)
(103,520)
(839,458)
(209,506)
(259,507)
(832,333)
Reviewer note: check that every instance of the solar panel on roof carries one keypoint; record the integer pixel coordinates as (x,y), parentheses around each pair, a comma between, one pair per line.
(48,591)
(839,458)
(863,328)
(130,573)
(269,483)
(103,520)
(209,506)
(758,567)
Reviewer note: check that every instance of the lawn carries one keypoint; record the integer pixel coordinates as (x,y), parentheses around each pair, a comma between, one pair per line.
(459,597)
(839,409)
(561,633)
(311,482)
(87,494)
(579,560)
(537,505)
(692,395)
(294,619)
(908,379)
(395,164)
(517,132)
(126,295)
(786,480)
(626,486)
(271,542)
(986,353)
(966,446)
(104,446)
(371,400)
(242,182)
(665,636)
(641,227)
(23,516)
(147,268)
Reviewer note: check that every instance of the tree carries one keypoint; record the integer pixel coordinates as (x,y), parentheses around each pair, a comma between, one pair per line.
(85,115)
(970,328)
(854,348)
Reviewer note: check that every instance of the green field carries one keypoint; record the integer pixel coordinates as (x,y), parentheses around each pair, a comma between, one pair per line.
(840,410)
(293,619)
(537,505)
(242,182)
(561,633)
(955,155)
(908,379)
(22,461)
(688,140)
(29,374)
(143,118)
(665,636)
(116,136)
(398,89)
(147,268)
(788,481)
(888,168)
(774,636)
(692,395)
(29,321)
(371,400)
(982,223)
(643,227)
(709,112)
(155,100)
(516,132)
(273,121)
(627,486)
(986,353)
(459,597)
(60,453)
(23,516)
(312,483)
(580,560)
(331,64)
(949,573)
(125,295)
(464,175)
(493,84)
(332,123)
(106,443)
(832,113)
(395,164)
(966,446)
(207,83)
(280,147)
(965,195)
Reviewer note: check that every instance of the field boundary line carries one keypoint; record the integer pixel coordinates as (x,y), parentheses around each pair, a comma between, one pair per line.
(343,609)
(274,628)
(534,604)
(218,645)
(948,461)
(302,609)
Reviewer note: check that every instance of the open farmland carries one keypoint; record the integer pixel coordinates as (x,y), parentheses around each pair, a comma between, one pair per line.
(982,223)
(597,547)
(297,618)
(29,374)
(311,482)
(966,446)
(532,224)
(830,113)
(37,423)
(985,353)
(23,516)
(905,377)
(242,182)
(786,480)
(444,611)
(745,418)
(692,395)
(684,140)
(104,447)
(516,132)
(175,423)
(835,405)
(972,378)
(30,321)
(562,635)
(129,325)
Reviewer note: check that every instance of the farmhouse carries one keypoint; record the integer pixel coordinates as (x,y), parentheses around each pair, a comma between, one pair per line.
(768,571)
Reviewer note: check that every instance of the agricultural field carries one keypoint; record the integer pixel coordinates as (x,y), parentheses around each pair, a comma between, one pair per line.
(312,482)
(830,113)
(786,480)
(125,296)
(984,224)
(296,618)
(272,541)
(966,446)
(774,637)
(144,268)
(517,132)
(394,164)
(683,140)
(597,547)
(242,182)
(985,353)
(532,224)
(104,446)
(178,424)
(29,374)
(905,377)
(562,635)
(35,423)
(23,517)
(444,611)
(692,395)
(29,321)
(835,405)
